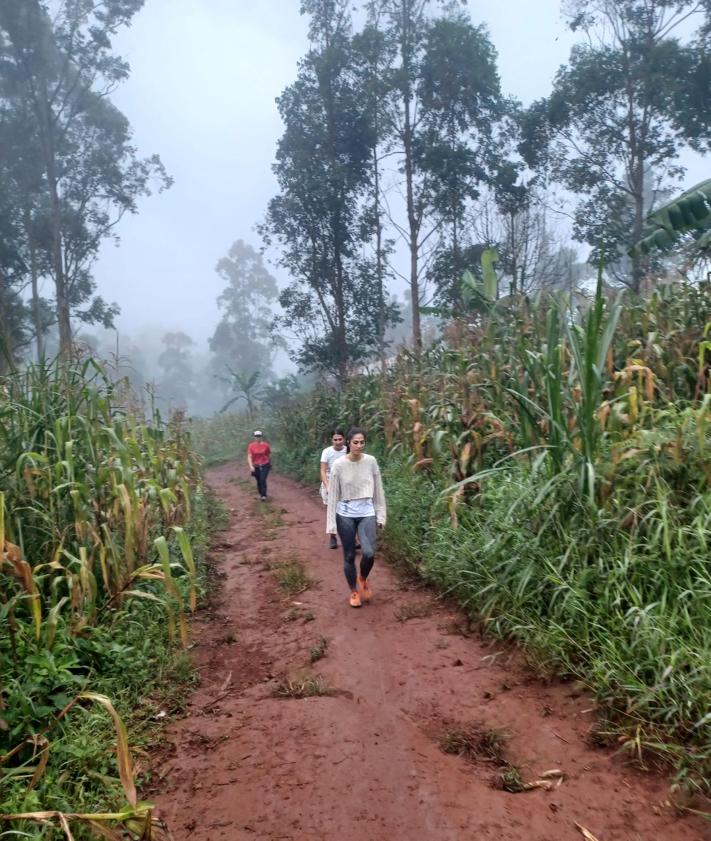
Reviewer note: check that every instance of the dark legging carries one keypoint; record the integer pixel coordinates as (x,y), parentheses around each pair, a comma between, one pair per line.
(261,471)
(367,531)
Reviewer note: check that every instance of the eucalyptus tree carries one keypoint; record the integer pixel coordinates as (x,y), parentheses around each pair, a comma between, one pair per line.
(58,70)
(322,168)
(460,147)
(12,316)
(633,96)
(448,105)
(22,215)
(407,20)
(374,53)
(177,379)
(242,340)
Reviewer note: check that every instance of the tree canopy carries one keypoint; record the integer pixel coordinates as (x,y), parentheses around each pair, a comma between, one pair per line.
(69,164)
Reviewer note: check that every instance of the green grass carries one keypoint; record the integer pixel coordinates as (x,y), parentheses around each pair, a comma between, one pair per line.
(70,461)
(292,577)
(318,650)
(586,599)
(474,743)
(307,687)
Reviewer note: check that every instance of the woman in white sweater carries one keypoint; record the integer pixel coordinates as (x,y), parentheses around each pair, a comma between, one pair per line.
(356,506)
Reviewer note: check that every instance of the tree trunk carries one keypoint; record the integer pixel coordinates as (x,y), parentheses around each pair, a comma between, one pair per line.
(638,224)
(6,344)
(514,261)
(36,305)
(60,280)
(379,263)
(406,25)
(340,333)
(412,221)
(456,251)
(340,337)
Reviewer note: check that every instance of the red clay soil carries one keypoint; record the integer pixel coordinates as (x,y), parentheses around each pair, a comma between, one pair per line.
(364,763)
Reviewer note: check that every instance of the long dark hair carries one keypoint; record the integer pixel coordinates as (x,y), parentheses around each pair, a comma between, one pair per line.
(354,430)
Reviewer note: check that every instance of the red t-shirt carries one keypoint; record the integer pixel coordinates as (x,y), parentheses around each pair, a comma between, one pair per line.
(260,452)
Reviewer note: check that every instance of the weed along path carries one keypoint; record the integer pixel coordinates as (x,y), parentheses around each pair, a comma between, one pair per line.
(389,723)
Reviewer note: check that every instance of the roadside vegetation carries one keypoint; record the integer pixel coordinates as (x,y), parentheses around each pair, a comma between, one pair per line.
(103,531)
(547,464)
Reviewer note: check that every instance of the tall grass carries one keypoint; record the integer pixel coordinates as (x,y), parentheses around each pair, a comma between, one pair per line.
(95,500)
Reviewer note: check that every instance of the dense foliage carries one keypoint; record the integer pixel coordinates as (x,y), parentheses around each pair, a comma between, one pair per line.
(396,130)
(548,464)
(68,170)
(97,577)
(631,99)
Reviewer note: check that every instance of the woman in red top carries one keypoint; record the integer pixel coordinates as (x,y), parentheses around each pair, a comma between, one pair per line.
(259,459)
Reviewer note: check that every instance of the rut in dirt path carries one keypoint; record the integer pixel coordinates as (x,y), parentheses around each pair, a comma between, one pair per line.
(404,679)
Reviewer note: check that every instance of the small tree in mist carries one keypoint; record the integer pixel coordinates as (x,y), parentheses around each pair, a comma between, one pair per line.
(177,380)
(241,343)
(532,253)
(247,387)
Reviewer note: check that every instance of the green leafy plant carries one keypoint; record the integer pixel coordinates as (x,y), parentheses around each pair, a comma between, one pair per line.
(100,546)
(688,215)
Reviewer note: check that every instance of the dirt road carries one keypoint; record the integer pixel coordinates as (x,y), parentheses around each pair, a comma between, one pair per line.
(364,763)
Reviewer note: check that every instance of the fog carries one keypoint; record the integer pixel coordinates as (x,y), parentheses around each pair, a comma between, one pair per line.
(204,76)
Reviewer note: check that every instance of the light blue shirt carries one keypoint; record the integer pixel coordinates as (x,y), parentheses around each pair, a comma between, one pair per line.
(356,508)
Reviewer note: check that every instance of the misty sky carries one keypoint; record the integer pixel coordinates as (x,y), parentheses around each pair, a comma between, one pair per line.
(204,77)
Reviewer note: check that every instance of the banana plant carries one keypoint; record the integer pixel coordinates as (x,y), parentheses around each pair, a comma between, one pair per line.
(476,294)
(247,387)
(689,213)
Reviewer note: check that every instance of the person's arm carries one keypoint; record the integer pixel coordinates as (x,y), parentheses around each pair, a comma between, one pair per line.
(269,453)
(249,459)
(324,474)
(334,496)
(379,496)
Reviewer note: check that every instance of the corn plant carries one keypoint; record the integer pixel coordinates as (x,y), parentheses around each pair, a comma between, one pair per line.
(94,498)
(589,347)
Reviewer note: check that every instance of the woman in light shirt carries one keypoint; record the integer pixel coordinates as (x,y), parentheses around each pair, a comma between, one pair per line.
(356,507)
(328,456)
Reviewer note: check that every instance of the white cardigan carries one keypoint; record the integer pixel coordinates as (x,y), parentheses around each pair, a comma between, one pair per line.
(355,480)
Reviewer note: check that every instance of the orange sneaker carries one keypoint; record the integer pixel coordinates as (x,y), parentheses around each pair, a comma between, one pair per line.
(365,592)
(355,599)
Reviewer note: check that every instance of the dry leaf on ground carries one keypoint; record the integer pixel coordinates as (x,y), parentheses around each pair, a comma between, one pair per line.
(587,835)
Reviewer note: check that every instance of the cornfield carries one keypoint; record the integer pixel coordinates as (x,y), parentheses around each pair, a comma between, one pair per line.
(548,463)
(94,501)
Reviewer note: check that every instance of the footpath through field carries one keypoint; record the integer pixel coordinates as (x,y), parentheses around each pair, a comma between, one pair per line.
(364,763)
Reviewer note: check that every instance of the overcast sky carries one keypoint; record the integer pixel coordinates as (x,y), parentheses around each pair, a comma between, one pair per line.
(204,77)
